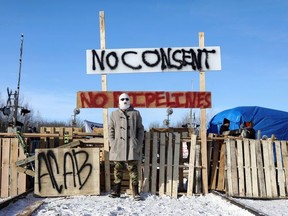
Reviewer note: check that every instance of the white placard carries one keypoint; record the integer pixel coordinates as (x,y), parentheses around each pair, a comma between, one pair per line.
(111,61)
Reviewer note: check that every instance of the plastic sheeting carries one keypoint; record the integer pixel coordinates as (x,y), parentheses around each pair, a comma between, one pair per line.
(268,121)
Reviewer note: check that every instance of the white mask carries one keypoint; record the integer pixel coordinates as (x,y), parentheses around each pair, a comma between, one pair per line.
(124,101)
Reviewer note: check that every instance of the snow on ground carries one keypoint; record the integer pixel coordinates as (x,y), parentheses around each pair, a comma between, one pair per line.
(151,205)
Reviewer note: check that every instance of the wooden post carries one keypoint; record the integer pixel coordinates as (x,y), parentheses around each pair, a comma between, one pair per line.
(105,110)
(203,127)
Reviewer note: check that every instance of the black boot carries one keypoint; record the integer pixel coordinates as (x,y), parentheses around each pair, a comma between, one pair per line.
(116,192)
(135,192)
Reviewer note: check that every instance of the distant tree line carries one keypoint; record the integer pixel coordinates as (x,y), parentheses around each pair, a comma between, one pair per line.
(34,120)
(29,120)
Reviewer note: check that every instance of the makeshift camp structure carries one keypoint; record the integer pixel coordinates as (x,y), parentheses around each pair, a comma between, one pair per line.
(268,121)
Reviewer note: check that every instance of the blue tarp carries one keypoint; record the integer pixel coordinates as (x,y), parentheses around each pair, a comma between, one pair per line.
(268,121)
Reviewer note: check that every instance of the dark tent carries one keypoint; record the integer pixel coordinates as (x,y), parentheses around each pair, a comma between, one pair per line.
(268,121)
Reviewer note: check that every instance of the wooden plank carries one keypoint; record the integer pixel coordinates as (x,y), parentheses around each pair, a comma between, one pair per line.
(229,168)
(26,171)
(1,140)
(234,168)
(261,176)
(285,161)
(247,168)
(272,168)
(203,129)
(96,170)
(181,163)
(5,167)
(67,172)
(214,165)
(140,171)
(52,139)
(169,182)
(210,148)
(267,168)
(21,176)
(280,171)
(198,178)
(105,110)
(27,135)
(154,163)
(176,165)
(221,173)
(162,164)
(255,191)
(146,181)
(60,130)
(68,134)
(240,167)
(191,165)
(43,140)
(25,161)
(13,172)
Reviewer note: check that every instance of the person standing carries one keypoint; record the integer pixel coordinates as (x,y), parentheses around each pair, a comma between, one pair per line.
(225,126)
(248,131)
(126,135)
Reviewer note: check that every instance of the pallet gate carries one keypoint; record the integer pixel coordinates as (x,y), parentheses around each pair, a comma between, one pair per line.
(250,168)
(237,167)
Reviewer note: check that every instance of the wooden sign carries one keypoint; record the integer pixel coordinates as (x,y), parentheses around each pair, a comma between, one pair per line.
(106,61)
(151,99)
(67,171)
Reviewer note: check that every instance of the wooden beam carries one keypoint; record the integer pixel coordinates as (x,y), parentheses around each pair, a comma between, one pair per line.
(203,126)
(26,171)
(105,110)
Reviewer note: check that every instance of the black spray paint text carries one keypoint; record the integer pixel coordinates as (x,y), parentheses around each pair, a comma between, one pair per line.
(71,160)
(167,58)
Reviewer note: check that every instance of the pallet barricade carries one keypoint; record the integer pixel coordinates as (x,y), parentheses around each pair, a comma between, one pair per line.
(238,167)
(250,168)
(12,182)
(65,135)
(164,169)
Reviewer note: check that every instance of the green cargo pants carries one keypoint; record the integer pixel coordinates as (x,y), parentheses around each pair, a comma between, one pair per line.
(131,166)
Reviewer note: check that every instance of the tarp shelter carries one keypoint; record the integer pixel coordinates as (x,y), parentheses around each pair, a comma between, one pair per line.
(268,121)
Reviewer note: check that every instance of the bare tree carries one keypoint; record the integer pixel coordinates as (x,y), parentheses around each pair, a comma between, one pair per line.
(154,124)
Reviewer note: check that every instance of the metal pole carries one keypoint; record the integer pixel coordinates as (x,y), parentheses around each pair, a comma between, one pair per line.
(17,93)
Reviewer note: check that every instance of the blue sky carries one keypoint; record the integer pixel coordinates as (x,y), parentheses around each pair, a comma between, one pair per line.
(252,35)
